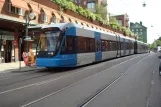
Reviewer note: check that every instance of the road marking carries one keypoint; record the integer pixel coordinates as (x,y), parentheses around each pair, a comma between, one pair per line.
(75,83)
(51,80)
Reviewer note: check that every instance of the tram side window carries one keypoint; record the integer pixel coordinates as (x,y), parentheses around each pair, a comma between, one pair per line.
(107,45)
(127,46)
(91,45)
(111,46)
(85,44)
(122,46)
(114,46)
(82,44)
(69,45)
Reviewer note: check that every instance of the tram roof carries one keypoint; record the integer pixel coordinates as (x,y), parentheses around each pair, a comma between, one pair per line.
(63,26)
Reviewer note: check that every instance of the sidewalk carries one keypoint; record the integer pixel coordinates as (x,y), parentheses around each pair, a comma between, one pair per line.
(15,66)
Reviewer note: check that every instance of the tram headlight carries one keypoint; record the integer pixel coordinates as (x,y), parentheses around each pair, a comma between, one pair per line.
(51,53)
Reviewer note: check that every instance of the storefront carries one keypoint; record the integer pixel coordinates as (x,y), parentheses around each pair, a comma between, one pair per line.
(7,46)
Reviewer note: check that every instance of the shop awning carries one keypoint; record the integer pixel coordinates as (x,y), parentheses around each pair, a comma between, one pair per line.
(57,15)
(20,4)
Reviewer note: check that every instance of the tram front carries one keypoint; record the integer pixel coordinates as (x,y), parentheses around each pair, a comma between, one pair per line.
(48,46)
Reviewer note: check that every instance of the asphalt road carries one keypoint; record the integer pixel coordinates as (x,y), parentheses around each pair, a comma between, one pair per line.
(131,81)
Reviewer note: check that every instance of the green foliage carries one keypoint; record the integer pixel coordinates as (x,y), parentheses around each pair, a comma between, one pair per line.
(100,15)
(101,10)
(112,19)
(155,43)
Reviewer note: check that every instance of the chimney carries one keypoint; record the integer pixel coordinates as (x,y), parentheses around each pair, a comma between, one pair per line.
(140,22)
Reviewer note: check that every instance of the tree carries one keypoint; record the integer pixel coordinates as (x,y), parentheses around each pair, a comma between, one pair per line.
(112,20)
(159,38)
(101,10)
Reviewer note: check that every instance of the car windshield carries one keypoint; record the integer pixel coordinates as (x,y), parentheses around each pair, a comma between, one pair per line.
(48,40)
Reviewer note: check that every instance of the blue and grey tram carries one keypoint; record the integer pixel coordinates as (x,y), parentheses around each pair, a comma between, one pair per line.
(71,45)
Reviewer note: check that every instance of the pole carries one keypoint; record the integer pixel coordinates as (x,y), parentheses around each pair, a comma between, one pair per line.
(27,22)
(20,41)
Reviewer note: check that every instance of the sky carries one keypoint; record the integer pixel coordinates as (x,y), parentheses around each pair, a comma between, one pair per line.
(149,15)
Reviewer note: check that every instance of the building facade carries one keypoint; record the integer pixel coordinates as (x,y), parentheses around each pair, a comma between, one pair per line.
(140,30)
(13,23)
(90,4)
(123,20)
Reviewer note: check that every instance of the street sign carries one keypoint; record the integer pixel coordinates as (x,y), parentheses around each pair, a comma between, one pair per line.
(7,37)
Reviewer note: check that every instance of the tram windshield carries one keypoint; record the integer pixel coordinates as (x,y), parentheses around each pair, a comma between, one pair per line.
(49,40)
(49,43)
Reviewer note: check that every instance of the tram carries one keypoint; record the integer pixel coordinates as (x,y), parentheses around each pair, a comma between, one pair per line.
(72,45)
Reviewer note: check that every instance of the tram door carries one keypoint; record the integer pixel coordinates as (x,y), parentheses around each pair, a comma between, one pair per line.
(98,51)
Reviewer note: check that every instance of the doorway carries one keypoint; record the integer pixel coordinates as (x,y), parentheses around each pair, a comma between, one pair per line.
(8,51)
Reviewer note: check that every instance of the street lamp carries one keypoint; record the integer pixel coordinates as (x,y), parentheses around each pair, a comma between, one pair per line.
(29,17)
(144,4)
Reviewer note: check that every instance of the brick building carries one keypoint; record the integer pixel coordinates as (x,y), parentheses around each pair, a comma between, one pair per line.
(12,23)
(123,20)
(90,4)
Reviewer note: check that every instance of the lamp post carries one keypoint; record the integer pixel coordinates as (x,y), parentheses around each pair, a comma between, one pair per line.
(29,17)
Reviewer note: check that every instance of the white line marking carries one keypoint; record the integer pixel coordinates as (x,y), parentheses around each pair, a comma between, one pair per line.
(51,80)
(74,83)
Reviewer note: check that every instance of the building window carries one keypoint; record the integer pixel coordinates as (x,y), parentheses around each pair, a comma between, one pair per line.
(54,19)
(141,30)
(62,19)
(132,29)
(119,22)
(21,11)
(141,33)
(44,17)
(9,6)
(136,29)
(136,33)
(90,5)
(15,10)
(85,3)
